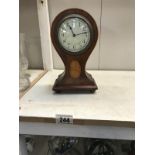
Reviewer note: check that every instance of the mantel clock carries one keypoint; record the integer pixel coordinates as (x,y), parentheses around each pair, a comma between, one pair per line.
(74,35)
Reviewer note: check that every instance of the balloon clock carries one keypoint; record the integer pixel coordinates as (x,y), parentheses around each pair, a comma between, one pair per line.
(74,35)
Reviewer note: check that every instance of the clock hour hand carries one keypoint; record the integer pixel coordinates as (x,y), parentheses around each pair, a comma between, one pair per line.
(80,33)
(71,30)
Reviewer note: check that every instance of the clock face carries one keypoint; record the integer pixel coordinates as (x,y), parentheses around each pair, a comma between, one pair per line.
(74,34)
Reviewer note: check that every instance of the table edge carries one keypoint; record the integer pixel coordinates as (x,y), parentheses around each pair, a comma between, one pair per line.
(115,123)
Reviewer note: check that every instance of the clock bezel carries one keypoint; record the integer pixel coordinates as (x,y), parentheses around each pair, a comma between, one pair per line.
(77,13)
(84,20)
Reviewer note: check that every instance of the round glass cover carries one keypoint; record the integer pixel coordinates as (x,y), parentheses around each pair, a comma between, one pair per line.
(74,34)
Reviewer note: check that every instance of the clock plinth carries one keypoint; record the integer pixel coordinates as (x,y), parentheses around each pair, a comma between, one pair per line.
(84,83)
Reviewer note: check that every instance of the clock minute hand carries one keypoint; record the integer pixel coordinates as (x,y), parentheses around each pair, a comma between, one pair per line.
(80,33)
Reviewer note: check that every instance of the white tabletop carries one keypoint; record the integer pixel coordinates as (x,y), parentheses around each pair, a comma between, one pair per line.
(112,104)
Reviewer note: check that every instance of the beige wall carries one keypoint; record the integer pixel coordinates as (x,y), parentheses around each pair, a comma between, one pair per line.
(117,35)
(115,20)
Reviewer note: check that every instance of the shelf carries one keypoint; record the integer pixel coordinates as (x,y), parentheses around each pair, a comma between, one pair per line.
(111,105)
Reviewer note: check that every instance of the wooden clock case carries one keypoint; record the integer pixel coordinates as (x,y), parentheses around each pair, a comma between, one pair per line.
(74,78)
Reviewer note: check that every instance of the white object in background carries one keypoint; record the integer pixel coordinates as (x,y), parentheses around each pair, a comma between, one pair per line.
(30,143)
(24,81)
(44,26)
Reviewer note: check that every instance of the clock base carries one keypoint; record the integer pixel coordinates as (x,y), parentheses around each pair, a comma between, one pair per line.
(80,85)
(75,89)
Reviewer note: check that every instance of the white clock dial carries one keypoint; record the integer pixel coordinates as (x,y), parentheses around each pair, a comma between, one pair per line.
(74,34)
